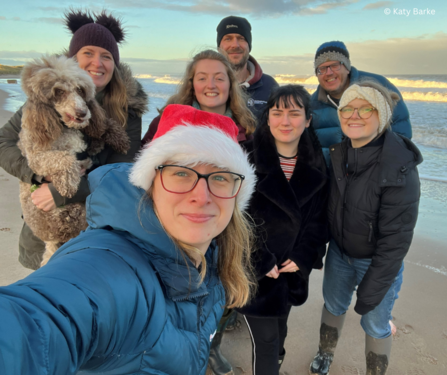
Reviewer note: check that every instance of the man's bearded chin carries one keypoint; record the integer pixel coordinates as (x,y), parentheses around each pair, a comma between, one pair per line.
(241,65)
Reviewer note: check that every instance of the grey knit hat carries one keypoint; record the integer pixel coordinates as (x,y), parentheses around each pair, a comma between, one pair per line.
(332,51)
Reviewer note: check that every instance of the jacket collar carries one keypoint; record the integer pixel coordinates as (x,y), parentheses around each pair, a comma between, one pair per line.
(257,74)
(272,183)
(132,216)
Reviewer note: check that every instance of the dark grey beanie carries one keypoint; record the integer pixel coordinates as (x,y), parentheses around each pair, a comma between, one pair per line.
(234,25)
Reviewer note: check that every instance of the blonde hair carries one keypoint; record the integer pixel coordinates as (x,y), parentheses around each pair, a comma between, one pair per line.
(390,97)
(234,258)
(115,98)
(237,99)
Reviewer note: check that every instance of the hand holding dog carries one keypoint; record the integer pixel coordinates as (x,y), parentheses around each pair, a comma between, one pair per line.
(43,199)
(273,273)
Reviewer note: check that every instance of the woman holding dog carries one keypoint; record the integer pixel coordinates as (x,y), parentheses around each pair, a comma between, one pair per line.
(95,46)
(210,84)
(289,209)
(143,288)
(373,208)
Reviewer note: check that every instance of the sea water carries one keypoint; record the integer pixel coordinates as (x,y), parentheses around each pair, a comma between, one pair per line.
(425,96)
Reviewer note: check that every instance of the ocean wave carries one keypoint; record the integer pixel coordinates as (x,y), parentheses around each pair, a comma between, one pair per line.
(143,76)
(424,96)
(167,79)
(418,83)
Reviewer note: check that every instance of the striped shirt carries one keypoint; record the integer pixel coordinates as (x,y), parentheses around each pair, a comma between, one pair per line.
(288,165)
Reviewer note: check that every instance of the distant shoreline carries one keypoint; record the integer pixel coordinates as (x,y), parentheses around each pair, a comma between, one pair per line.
(3,76)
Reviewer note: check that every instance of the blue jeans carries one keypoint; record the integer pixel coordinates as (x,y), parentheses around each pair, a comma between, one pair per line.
(342,274)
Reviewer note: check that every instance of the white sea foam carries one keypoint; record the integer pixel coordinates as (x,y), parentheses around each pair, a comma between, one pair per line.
(442,270)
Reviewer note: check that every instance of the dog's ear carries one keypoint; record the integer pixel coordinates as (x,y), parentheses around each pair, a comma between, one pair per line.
(97,126)
(42,123)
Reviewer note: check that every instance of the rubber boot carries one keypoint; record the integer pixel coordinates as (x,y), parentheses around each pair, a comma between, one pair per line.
(217,362)
(281,359)
(377,352)
(232,321)
(330,330)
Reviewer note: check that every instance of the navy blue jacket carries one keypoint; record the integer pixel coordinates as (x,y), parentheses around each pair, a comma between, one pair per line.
(115,300)
(325,119)
(258,88)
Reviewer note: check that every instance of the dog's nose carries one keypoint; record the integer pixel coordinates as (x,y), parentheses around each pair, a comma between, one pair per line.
(81,114)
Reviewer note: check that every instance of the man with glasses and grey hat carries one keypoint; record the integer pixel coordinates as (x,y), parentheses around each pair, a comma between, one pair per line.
(234,41)
(335,74)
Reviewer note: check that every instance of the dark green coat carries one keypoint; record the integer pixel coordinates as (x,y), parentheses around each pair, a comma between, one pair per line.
(11,160)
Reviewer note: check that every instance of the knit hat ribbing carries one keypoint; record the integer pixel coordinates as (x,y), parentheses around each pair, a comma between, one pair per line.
(374,97)
(105,32)
(332,51)
(234,25)
(187,136)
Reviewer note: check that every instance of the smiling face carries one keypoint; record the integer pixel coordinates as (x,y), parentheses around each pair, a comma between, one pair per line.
(287,125)
(98,63)
(211,86)
(334,83)
(360,131)
(196,217)
(237,50)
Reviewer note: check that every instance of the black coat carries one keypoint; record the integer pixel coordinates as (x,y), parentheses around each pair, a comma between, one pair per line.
(291,222)
(373,207)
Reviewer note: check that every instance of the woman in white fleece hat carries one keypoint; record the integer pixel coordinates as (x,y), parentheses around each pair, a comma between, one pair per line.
(143,288)
(372,211)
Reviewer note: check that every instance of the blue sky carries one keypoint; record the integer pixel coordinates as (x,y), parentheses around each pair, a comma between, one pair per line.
(164,34)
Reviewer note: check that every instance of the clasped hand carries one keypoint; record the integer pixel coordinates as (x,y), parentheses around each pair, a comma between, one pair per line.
(289,266)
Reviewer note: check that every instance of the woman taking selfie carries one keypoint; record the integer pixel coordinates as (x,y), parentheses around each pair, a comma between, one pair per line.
(373,208)
(143,288)
(289,209)
(94,46)
(210,84)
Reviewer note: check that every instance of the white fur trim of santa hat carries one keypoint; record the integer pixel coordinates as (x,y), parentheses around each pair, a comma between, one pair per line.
(189,145)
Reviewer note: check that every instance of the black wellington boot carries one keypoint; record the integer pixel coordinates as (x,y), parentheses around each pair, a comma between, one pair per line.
(281,359)
(217,362)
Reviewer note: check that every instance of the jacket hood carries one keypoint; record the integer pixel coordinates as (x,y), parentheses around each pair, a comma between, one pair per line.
(258,71)
(137,98)
(116,205)
(399,155)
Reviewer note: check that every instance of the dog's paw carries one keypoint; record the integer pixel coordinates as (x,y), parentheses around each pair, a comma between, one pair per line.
(116,137)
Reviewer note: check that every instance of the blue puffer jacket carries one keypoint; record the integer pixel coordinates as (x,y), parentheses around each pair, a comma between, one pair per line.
(114,300)
(325,119)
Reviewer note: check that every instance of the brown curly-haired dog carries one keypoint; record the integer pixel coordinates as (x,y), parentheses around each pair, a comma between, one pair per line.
(60,112)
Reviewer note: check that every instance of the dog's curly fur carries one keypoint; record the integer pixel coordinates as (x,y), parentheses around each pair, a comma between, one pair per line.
(61,109)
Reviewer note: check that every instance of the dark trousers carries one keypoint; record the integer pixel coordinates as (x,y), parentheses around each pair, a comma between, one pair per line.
(268,336)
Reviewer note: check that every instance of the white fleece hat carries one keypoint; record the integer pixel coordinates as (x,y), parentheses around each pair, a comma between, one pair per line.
(374,97)
(187,136)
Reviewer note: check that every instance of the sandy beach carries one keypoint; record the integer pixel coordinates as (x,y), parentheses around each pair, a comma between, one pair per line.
(420,345)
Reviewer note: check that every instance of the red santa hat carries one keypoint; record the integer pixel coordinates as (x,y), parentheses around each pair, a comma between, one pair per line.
(187,136)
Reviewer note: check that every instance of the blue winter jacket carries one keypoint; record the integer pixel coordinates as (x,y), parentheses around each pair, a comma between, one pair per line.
(118,299)
(325,119)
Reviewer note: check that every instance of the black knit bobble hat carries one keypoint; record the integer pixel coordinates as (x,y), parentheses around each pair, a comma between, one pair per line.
(105,32)
(234,25)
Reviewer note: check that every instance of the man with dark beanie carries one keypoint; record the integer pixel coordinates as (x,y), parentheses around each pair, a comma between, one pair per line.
(234,40)
(335,74)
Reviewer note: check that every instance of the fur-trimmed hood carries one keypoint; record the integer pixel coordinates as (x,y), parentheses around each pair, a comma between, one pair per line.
(137,98)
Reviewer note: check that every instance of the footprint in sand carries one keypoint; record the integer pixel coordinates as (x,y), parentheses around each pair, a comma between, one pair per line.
(5,229)
(444,334)
(406,329)
(415,371)
(351,370)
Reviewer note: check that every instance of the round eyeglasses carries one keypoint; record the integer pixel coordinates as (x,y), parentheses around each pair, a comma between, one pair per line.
(335,67)
(181,180)
(363,112)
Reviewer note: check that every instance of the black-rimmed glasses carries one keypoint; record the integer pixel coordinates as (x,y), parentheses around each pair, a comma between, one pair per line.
(335,67)
(180,180)
(363,112)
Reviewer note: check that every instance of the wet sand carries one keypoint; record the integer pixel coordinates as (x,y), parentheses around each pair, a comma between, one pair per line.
(420,314)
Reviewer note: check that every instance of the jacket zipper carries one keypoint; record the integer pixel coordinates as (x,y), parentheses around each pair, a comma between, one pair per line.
(370,231)
(199,314)
(345,196)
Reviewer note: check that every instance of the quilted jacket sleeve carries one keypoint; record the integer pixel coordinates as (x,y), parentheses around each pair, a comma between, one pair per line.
(397,219)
